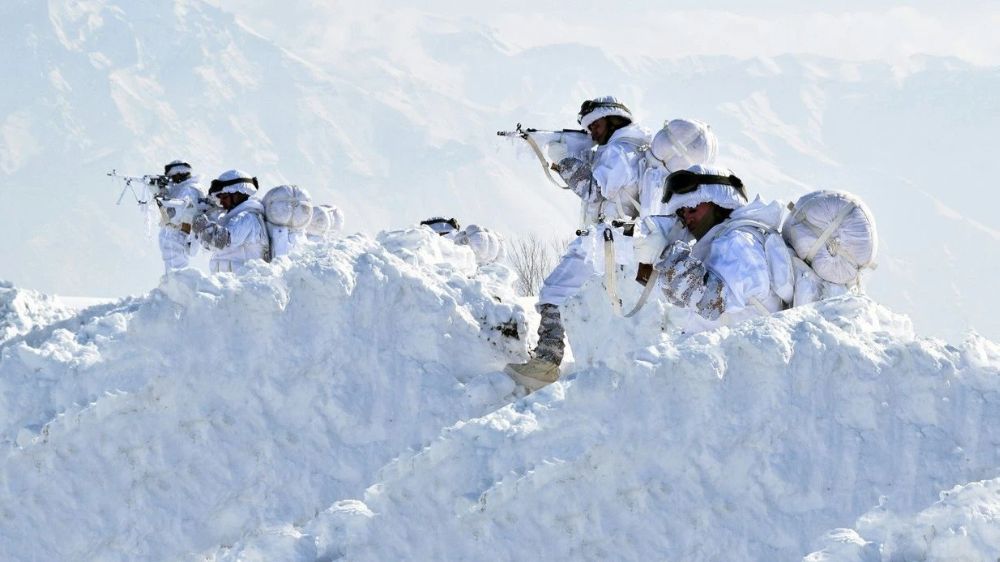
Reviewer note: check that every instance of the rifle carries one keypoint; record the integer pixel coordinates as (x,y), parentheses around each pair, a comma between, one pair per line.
(158,182)
(574,141)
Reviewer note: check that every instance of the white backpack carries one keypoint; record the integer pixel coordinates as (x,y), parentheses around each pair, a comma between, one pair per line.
(824,244)
(288,209)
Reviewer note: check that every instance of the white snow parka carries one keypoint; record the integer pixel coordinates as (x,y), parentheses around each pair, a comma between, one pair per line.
(239,236)
(725,277)
(615,168)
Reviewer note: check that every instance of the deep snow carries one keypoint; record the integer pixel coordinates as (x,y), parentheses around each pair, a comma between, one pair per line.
(350,405)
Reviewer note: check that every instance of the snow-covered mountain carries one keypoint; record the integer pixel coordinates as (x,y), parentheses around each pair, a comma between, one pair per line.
(396,124)
(348,405)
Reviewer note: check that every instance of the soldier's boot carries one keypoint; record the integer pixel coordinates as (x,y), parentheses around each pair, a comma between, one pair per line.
(543,367)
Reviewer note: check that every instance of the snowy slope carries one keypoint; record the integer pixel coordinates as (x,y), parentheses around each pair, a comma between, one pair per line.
(962,525)
(395,123)
(350,405)
(742,444)
(175,422)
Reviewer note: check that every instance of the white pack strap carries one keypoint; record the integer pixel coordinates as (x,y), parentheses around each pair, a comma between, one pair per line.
(610,278)
(759,306)
(646,291)
(546,165)
(830,229)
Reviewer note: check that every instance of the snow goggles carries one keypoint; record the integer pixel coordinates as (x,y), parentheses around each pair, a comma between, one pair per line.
(441,225)
(218,185)
(186,168)
(589,106)
(684,181)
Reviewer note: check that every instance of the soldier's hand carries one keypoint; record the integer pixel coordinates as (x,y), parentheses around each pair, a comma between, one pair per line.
(200,223)
(642,275)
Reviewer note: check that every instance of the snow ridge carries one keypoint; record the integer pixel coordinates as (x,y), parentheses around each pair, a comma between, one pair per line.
(215,405)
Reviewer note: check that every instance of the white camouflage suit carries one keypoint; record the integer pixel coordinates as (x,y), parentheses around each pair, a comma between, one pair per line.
(610,193)
(241,233)
(724,277)
(239,236)
(178,207)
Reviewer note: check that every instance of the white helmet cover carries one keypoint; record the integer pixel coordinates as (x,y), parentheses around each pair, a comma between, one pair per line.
(725,196)
(603,106)
(235,181)
(177,167)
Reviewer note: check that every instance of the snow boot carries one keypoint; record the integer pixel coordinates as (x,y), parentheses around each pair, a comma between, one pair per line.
(534,374)
(543,368)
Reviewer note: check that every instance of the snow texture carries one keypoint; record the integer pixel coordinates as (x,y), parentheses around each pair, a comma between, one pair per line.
(349,405)
(172,423)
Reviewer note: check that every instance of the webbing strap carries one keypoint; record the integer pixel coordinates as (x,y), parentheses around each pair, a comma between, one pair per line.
(543,160)
(610,278)
(646,291)
(760,306)
(830,229)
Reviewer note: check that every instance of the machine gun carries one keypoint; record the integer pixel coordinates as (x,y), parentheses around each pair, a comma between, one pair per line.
(153,186)
(558,145)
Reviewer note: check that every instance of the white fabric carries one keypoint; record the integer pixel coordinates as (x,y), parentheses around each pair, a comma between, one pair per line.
(849,247)
(682,143)
(737,257)
(582,261)
(725,196)
(615,169)
(288,206)
(175,248)
(245,188)
(326,219)
(586,120)
(247,237)
(568,277)
(654,233)
(180,202)
(485,244)
(284,240)
(176,167)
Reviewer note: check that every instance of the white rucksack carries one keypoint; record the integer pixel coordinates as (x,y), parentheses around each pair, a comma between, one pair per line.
(288,209)
(288,206)
(326,220)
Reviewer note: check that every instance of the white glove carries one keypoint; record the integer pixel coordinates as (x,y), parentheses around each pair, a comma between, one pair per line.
(200,223)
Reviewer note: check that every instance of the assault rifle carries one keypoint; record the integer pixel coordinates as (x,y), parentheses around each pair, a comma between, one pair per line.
(567,142)
(154,185)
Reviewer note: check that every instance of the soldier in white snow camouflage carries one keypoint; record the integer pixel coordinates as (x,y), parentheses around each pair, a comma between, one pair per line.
(178,205)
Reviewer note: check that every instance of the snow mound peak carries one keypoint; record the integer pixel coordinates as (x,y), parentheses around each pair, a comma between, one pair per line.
(23,310)
(215,405)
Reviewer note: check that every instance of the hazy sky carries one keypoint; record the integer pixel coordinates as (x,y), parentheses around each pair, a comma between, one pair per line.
(845,29)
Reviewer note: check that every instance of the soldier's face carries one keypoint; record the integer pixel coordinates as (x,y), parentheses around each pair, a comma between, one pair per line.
(700,219)
(600,131)
(227,200)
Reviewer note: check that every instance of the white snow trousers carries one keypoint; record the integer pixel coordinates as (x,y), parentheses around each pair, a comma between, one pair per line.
(569,276)
(175,248)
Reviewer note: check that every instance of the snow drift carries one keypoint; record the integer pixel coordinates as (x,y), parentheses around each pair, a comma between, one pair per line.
(348,405)
(21,311)
(176,422)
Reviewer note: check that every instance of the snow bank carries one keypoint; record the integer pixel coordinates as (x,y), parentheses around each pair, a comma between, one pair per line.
(737,444)
(166,425)
(22,311)
(963,525)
